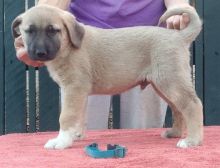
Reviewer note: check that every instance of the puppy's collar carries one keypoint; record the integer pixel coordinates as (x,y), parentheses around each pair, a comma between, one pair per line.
(113,151)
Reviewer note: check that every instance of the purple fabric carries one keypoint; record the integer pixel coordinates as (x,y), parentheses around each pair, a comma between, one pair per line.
(117,13)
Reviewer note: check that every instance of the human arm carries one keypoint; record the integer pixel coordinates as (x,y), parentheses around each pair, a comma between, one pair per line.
(21,53)
(178,21)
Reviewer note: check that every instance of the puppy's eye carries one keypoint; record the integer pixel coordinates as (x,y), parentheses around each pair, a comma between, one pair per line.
(30,30)
(51,30)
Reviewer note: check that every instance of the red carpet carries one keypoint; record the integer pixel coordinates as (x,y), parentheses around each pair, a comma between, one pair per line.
(146,149)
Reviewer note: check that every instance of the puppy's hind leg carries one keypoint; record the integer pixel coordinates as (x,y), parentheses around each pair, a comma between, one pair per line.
(186,106)
(178,127)
(178,121)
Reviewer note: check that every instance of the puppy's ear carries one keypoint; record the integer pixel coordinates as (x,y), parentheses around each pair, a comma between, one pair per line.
(15,26)
(74,29)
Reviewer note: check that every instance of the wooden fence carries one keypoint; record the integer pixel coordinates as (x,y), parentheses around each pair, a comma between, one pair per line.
(28,95)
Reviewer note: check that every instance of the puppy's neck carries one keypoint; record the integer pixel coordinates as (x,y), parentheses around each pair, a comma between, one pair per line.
(58,66)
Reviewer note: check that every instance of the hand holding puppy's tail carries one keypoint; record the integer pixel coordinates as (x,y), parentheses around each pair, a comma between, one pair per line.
(194,27)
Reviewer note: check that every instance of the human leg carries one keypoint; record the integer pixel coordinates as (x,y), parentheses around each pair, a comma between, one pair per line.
(142,108)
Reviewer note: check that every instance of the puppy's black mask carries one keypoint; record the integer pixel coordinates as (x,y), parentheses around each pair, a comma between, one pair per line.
(42,42)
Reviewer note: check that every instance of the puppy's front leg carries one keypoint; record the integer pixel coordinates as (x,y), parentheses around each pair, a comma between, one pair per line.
(72,118)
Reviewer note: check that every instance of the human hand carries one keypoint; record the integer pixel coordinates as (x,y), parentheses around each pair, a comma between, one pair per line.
(178,22)
(22,54)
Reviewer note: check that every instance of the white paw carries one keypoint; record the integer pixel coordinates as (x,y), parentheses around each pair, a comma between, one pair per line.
(58,143)
(182,144)
(185,143)
(62,141)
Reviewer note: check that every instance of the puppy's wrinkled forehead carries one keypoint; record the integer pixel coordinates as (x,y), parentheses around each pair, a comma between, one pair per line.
(41,17)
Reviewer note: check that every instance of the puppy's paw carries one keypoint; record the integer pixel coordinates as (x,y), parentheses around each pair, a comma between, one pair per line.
(171,133)
(185,143)
(62,141)
(58,143)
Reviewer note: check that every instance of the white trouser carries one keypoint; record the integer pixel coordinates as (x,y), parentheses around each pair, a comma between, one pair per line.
(138,109)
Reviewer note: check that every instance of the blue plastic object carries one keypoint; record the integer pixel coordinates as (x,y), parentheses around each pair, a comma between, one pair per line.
(113,151)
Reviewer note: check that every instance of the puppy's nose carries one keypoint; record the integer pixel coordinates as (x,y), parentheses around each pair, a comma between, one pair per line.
(41,53)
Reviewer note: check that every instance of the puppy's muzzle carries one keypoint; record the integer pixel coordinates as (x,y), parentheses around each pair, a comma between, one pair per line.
(41,53)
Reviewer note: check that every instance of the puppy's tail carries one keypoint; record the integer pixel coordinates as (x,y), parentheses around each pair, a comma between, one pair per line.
(193,29)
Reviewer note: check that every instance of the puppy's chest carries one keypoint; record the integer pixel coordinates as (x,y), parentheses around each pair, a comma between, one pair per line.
(59,73)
